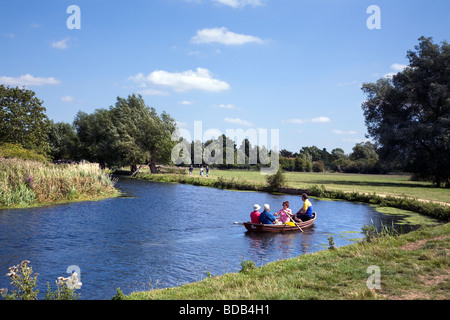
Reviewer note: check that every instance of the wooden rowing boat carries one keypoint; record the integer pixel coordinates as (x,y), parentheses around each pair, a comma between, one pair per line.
(259,227)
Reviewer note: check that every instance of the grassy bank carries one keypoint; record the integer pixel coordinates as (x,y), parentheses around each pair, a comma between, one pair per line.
(26,183)
(412,266)
(382,190)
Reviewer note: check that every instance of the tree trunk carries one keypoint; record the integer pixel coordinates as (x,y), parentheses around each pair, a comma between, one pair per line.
(152,166)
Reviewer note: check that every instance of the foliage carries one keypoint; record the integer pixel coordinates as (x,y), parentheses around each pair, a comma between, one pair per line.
(371,232)
(25,183)
(11,150)
(331,243)
(276,180)
(247,265)
(24,281)
(129,133)
(409,114)
(22,119)
(63,141)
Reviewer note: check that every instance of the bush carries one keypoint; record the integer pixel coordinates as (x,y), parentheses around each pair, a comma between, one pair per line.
(11,150)
(276,181)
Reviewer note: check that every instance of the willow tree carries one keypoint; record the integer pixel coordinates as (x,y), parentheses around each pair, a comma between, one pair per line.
(128,133)
(408,115)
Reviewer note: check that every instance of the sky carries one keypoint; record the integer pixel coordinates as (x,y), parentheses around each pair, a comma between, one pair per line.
(295,66)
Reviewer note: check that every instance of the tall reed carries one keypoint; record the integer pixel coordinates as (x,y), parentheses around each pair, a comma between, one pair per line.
(25,182)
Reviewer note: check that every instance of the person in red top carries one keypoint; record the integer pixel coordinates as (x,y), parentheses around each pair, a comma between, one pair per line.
(254,215)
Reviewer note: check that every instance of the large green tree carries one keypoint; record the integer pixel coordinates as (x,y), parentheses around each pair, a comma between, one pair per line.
(23,119)
(408,115)
(128,133)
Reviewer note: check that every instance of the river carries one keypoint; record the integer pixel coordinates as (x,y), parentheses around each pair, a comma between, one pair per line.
(161,235)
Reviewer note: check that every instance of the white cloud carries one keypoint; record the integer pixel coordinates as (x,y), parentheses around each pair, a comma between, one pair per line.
(223,36)
(187,103)
(240,3)
(341,132)
(67,99)
(239,121)
(320,119)
(227,106)
(61,44)
(28,80)
(200,79)
(397,67)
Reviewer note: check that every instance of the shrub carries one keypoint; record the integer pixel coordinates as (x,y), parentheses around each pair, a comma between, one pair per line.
(276,180)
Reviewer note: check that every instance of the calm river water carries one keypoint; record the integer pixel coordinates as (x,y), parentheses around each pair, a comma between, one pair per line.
(162,235)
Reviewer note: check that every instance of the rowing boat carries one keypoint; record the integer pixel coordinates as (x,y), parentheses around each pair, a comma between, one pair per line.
(259,227)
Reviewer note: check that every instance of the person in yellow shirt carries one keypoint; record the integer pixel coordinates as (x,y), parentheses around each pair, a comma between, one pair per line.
(306,212)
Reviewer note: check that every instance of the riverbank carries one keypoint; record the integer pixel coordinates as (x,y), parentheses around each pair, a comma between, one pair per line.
(397,191)
(25,183)
(411,266)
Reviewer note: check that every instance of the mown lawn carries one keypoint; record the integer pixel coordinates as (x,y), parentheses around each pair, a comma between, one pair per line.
(395,185)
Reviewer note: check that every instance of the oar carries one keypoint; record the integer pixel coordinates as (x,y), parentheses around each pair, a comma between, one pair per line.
(292,219)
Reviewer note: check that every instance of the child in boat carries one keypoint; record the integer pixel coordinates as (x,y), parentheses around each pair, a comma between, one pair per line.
(254,215)
(284,213)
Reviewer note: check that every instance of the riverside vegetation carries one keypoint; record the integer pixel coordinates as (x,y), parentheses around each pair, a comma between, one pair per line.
(25,183)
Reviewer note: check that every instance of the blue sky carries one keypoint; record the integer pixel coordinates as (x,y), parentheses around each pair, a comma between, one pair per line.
(292,65)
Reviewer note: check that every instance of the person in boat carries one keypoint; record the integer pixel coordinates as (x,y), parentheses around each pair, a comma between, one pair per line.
(267,217)
(284,213)
(306,212)
(254,215)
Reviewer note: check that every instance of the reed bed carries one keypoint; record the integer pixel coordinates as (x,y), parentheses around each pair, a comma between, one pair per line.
(25,183)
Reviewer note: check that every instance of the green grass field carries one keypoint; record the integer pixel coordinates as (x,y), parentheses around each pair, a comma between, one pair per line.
(394,185)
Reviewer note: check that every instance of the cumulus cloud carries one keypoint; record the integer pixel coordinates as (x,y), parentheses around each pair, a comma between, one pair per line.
(239,122)
(28,80)
(199,79)
(397,67)
(223,36)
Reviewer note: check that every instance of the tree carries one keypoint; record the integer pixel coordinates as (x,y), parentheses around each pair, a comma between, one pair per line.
(129,133)
(408,115)
(23,119)
(63,141)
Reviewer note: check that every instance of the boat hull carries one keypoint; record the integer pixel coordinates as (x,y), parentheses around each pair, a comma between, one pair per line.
(258,227)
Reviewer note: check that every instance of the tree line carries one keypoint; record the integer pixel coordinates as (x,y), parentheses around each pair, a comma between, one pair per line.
(407,116)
